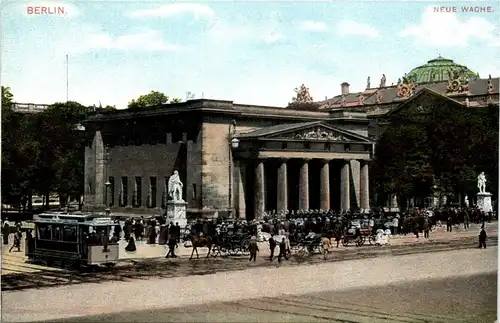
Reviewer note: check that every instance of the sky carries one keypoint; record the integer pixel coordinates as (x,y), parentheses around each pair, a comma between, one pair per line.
(253,52)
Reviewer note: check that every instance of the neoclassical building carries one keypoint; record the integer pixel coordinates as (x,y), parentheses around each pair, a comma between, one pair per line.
(241,160)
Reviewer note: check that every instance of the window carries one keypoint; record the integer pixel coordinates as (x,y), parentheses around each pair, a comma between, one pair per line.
(124,192)
(69,233)
(152,192)
(137,192)
(307,145)
(111,191)
(194,191)
(327,146)
(284,145)
(44,231)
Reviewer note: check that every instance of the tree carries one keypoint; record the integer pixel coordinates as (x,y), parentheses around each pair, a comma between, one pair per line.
(447,147)
(153,98)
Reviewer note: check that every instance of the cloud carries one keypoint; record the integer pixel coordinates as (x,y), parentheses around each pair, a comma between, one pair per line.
(146,40)
(311,25)
(223,32)
(199,11)
(353,28)
(445,29)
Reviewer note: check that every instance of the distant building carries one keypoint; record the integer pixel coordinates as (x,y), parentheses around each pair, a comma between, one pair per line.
(29,107)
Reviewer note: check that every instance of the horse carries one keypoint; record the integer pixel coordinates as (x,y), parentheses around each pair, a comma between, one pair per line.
(200,242)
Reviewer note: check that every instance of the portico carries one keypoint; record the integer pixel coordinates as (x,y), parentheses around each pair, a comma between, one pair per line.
(302,166)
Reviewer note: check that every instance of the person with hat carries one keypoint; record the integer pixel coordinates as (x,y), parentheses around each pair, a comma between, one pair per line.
(253,248)
(482,238)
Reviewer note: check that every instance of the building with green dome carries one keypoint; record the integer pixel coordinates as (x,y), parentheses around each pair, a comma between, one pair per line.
(438,78)
(438,70)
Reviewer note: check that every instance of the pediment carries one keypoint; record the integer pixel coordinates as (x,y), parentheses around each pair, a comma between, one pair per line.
(423,102)
(318,132)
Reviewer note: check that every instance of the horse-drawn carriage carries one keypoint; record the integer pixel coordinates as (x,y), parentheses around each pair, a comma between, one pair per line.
(302,245)
(358,233)
(231,243)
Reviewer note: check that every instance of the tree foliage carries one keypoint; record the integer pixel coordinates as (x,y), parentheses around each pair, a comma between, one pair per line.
(448,148)
(42,153)
(153,98)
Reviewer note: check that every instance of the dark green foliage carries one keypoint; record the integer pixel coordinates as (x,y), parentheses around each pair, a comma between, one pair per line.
(42,153)
(448,147)
(153,98)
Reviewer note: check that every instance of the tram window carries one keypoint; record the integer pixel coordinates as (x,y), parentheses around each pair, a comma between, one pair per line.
(57,233)
(44,231)
(69,233)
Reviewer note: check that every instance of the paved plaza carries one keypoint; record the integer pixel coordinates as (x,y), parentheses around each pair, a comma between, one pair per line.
(256,283)
(15,262)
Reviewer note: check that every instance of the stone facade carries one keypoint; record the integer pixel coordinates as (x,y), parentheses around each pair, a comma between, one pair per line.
(138,151)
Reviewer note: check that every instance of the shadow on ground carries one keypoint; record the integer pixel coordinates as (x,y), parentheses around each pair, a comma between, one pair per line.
(166,268)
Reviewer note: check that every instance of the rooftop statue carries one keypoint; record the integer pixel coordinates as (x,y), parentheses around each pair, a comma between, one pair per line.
(368,83)
(302,95)
(382,81)
(458,82)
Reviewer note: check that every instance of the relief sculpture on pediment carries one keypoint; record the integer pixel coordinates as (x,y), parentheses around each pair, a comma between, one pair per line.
(320,134)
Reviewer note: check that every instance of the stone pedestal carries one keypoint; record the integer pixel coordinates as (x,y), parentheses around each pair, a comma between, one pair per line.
(176,212)
(484,202)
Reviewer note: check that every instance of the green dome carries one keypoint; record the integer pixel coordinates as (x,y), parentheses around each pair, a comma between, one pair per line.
(437,70)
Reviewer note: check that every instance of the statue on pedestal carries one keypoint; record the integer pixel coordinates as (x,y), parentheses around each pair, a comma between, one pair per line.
(175,187)
(481,182)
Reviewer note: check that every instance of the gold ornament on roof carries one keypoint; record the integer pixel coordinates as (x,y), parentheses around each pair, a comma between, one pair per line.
(457,82)
(405,88)
(361,99)
(302,95)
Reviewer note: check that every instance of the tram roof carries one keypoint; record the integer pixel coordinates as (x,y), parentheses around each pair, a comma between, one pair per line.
(69,218)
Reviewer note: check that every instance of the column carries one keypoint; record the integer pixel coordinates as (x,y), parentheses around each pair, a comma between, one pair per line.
(304,186)
(364,193)
(324,187)
(282,186)
(259,190)
(240,180)
(100,164)
(345,194)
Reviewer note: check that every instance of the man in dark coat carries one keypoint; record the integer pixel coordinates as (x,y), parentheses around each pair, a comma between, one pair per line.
(282,250)
(172,244)
(253,248)
(272,246)
(482,238)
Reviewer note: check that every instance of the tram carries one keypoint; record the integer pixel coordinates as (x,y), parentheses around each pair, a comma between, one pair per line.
(72,240)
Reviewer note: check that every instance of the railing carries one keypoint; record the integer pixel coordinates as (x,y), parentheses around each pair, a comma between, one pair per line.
(29,107)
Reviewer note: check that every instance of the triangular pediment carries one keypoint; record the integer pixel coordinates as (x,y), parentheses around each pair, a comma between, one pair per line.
(309,131)
(422,102)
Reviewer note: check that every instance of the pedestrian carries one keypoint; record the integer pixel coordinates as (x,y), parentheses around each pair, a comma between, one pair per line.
(5,232)
(466,220)
(482,238)
(449,223)
(131,245)
(395,224)
(272,246)
(282,250)
(17,241)
(253,248)
(172,244)
(416,229)
(426,228)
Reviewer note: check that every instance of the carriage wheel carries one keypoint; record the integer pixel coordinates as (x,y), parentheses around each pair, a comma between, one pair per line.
(301,252)
(345,241)
(371,240)
(215,251)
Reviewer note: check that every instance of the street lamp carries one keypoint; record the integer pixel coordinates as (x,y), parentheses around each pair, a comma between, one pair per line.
(107,184)
(233,143)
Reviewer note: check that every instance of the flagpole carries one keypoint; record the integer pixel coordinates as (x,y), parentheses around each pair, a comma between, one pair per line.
(67,78)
